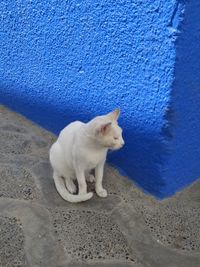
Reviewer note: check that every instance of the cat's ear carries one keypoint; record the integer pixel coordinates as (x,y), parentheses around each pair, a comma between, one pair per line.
(103,129)
(114,115)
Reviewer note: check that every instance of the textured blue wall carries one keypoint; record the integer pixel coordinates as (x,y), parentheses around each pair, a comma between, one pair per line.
(183,165)
(67,60)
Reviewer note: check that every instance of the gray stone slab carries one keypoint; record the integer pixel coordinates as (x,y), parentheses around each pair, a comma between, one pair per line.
(13,128)
(145,246)
(89,236)
(17,182)
(106,264)
(175,226)
(128,228)
(41,247)
(44,173)
(14,143)
(12,243)
(18,123)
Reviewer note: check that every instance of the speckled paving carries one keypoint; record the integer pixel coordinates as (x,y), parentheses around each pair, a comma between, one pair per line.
(128,228)
(12,252)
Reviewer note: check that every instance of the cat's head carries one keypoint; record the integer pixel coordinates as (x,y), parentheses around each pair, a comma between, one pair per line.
(107,131)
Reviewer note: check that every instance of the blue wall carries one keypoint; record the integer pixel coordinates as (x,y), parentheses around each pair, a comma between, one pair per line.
(183,165)
(67,60)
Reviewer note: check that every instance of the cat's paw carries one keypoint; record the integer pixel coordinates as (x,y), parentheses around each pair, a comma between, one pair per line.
(90,178)
(102,193)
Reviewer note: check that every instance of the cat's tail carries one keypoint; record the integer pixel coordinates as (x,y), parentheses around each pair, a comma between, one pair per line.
(65,194)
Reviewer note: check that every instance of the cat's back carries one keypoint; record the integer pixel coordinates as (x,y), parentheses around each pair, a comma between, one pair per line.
(67,134)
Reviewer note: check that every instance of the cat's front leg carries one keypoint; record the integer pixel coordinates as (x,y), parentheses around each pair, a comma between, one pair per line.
(82,186)
(101,192)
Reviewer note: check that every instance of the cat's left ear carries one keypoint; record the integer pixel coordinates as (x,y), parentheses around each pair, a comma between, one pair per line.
(114,115)
(104,128)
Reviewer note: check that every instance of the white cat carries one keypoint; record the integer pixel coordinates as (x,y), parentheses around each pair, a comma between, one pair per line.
(81,148)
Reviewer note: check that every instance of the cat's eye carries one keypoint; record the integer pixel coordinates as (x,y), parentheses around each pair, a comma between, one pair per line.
(116,138)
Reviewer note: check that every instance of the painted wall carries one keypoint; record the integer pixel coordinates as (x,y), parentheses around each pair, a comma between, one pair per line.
(183,165)
(67,60)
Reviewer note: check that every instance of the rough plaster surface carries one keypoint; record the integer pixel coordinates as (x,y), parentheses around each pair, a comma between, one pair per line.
(77,59)
(183,165)
(127,229)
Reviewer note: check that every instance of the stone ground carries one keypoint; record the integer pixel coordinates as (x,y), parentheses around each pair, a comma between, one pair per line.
(129,228)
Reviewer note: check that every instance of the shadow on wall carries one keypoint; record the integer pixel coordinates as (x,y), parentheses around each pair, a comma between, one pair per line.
(55,119)
(183,167)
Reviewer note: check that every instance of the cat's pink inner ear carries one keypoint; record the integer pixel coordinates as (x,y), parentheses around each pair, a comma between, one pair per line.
(105,128)
(114,115)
